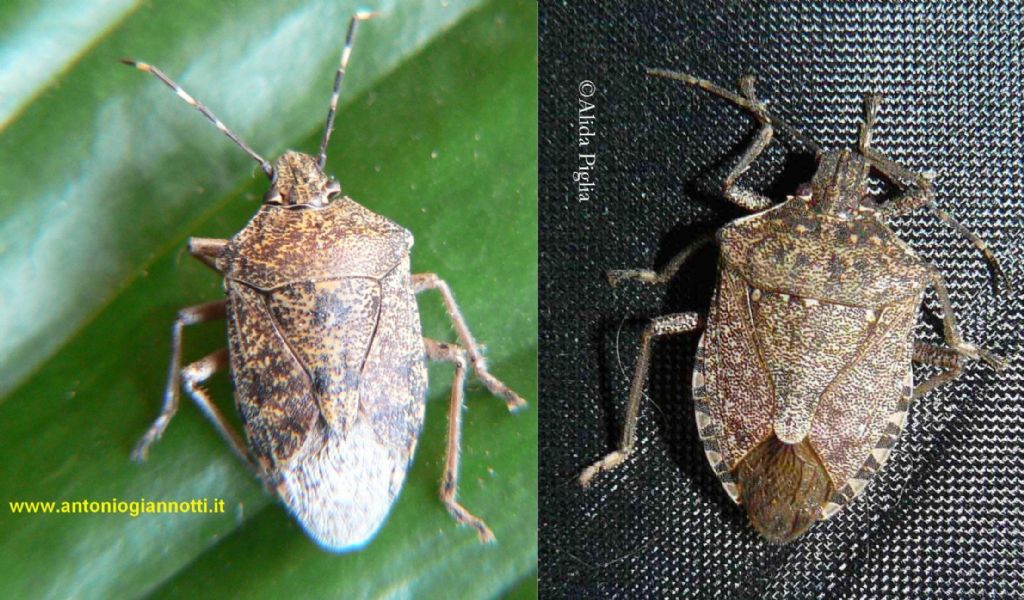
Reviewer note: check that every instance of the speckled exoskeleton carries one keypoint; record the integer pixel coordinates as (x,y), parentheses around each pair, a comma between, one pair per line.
(325,348)
(803,375)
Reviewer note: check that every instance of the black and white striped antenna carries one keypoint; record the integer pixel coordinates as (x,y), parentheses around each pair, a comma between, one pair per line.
(346,53)
(269,170)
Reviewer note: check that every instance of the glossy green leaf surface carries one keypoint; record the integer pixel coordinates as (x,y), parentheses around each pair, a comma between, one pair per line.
(106,174)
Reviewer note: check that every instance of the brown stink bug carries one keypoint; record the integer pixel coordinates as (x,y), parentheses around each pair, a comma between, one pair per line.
(325,348)
(803,375)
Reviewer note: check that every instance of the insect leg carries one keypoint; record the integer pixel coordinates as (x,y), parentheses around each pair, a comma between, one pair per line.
(952,332)
(990,257)
(450,482)
(747,100)
(429,281)
(950,361)
(198,372)
(191,315)
(615,277)
(919,193)
(916,189)
(742,196)
(658,327)
(206,250)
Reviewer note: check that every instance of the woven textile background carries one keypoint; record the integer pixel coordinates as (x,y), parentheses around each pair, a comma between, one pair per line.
(945,518)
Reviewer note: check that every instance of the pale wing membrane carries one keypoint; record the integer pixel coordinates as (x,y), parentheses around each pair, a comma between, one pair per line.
(343,496)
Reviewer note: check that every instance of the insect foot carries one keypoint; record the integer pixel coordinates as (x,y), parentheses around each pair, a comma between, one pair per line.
(804,371)
(325,347)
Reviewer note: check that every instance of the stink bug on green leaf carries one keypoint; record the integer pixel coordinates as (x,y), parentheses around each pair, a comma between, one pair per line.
(325,347)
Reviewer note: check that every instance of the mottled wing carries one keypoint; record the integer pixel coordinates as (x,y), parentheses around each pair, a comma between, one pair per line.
(732,393)
(862,413)
(806,344)
(393,389)
(272,390)
(328,326)
(343,493)
(772,363)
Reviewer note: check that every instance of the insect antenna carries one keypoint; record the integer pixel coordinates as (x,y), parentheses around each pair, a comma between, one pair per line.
(738,100)
(990,256)
(346,52)
(201,108)
(871,104)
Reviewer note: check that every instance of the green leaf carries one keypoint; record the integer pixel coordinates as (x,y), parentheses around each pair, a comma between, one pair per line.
(106,173)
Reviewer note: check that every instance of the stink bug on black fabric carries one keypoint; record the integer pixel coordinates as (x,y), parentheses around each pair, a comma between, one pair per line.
(325,347)
(803,375)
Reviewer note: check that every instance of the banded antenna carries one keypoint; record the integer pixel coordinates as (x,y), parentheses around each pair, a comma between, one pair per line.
(346,53)
(990,257)
(269,170)
(871,104)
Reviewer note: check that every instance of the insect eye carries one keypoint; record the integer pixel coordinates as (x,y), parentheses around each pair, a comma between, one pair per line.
(333,189)
(273,196)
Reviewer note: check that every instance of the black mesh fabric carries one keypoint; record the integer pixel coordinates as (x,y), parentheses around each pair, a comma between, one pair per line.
(945,518)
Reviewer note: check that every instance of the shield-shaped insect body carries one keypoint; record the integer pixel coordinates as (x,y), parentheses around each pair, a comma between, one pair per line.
(803,375)
(803,383)
(326,356)
(325,348)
